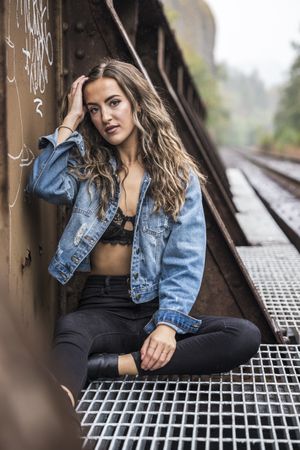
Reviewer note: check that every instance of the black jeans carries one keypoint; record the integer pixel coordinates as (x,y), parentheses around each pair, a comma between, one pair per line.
(108,321)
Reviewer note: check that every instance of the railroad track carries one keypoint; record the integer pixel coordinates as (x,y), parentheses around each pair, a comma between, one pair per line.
(276,182)
(283,171)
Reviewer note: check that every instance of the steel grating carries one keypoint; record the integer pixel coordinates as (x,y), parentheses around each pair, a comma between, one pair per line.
(255,406)
(275,273)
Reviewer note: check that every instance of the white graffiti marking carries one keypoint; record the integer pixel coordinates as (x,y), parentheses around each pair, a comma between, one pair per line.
(31,18)
(39,103)
(38,51)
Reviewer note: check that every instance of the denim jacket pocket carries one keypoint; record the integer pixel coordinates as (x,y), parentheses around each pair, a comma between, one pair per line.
(154,223)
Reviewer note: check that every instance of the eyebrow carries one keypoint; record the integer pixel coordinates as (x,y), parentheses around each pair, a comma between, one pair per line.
(105,101)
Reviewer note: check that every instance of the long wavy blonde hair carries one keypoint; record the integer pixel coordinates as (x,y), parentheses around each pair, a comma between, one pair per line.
(159,147)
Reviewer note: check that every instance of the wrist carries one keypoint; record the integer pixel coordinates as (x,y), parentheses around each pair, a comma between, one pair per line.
(71,120)
(166,327)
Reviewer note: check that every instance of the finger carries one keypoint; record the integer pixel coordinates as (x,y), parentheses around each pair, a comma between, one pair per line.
(163,361)
(77,82)
(148,355)
(144,348)
(155,356)
(160,361)
(79,79)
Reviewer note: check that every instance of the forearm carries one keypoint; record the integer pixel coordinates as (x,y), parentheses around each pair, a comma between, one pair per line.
(71,121)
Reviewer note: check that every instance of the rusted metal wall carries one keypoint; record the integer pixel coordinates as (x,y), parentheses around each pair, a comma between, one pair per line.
(30,91)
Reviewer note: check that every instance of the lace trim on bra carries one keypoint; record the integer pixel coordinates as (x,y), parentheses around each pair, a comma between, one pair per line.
(116,233)
(121,219)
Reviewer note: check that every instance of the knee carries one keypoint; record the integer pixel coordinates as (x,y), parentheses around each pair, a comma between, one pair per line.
(68,325)
(247,337)
(252,336)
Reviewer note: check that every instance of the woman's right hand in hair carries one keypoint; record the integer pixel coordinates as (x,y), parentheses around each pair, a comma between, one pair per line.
(75,99)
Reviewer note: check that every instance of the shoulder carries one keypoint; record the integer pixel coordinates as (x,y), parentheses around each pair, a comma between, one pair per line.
(194,185)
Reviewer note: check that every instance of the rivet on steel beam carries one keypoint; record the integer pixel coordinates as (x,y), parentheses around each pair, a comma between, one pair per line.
(66,72)
(79,27)
(80,54)
(40,250)
(65,26)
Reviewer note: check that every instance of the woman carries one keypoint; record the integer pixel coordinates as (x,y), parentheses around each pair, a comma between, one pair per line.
(138,227)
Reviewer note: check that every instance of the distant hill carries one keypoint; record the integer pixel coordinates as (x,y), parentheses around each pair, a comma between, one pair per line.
(194,24)
(251,106)
(240,107)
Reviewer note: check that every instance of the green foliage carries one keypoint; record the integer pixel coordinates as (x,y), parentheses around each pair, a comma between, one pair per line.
(207,86)
(251,106)
(171,14)
(287,117)
(266,142)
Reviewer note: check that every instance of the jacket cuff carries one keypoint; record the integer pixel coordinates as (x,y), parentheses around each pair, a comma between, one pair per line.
(75,137)
(180,322)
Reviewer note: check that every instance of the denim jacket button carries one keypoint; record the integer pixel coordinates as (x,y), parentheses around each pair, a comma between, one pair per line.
(75,259)
(138,296)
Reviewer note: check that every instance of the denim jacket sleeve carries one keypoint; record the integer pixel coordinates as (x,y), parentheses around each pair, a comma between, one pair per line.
(49,178)
(183,265)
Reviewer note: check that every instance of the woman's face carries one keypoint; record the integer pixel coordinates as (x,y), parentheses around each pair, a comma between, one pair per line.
(110,110)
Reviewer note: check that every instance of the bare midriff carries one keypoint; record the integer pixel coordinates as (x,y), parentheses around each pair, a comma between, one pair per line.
(111,259)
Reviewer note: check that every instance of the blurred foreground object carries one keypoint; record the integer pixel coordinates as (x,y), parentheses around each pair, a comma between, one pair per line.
(34,413)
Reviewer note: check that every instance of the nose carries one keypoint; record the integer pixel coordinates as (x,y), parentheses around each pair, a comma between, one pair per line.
(106,116)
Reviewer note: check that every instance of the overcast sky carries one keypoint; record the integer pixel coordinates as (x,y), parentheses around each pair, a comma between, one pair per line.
(256,34)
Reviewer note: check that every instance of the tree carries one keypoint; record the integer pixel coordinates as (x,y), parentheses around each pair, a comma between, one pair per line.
(287,117)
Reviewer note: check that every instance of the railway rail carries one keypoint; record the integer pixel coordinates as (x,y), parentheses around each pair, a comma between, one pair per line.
(283,171)
(276,182)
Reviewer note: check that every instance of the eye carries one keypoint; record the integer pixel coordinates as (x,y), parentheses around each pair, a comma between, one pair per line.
(91,110)
(114,102)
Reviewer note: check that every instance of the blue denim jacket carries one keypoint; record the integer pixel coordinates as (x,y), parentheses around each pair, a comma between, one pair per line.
(167,256)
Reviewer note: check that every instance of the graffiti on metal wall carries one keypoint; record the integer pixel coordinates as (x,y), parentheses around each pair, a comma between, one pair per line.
(29,53)
(38,49)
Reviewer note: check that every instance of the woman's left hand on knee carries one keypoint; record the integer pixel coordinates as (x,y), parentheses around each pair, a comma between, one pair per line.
(158,348)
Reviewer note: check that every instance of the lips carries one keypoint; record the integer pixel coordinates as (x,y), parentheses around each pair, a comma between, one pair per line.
(111,129)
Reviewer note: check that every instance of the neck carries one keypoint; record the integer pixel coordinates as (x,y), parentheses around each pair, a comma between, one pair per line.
(128,150)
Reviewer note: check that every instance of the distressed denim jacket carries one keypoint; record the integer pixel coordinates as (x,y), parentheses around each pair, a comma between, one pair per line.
(167,256)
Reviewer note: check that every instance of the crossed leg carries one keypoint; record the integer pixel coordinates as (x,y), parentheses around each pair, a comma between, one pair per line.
(220,344)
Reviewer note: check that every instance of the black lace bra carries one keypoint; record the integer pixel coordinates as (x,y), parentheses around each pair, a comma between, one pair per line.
(116,233)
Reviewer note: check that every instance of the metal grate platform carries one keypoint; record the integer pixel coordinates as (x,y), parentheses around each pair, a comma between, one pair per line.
(275,273)
(255,406)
